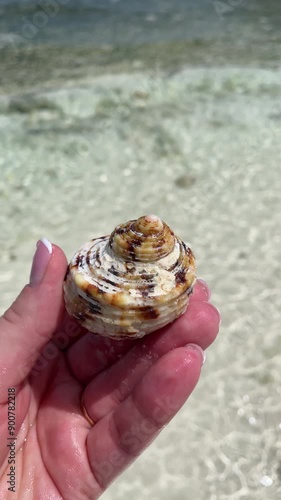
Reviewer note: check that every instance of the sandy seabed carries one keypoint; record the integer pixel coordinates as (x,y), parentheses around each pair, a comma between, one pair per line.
(201,148)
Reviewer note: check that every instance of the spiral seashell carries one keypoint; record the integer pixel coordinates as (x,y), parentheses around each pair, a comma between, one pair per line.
(132,282)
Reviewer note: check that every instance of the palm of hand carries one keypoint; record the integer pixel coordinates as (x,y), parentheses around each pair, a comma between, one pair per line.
(131,389)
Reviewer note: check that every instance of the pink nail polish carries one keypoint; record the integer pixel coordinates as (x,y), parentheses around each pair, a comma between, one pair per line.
(205,288)
(40,261)
(199,349)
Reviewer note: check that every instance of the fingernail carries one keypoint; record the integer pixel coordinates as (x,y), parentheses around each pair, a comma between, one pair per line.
(216,311)
(40,261)
(205,288)
(198,349)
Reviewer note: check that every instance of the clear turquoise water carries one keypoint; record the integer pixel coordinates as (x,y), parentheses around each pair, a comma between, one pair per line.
(115,109)
(53,40)
(132,21)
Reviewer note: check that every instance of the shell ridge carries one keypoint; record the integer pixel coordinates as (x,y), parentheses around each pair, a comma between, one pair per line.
(131,282)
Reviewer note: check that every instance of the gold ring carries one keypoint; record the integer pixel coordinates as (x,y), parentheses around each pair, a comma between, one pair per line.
(85,413)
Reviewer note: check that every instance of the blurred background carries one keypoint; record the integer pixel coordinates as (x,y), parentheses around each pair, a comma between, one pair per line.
(113,109)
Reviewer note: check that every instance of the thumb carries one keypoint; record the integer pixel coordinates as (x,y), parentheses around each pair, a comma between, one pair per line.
(34,316)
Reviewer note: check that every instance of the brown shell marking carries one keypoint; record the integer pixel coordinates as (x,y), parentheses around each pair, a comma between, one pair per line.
(132,282)
(146,239)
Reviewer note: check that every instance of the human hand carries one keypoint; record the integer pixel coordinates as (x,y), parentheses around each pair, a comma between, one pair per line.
(130,389)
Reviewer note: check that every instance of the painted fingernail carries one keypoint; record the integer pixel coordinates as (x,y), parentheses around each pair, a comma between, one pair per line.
(216,311)
(40,261)
(198,349)
(205,288)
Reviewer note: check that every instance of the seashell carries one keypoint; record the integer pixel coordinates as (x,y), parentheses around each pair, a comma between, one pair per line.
(132,282)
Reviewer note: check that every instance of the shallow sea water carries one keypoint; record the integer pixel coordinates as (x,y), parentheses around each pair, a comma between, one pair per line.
(189,130)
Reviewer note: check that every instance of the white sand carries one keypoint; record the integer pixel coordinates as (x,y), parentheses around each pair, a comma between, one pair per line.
(111,149)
